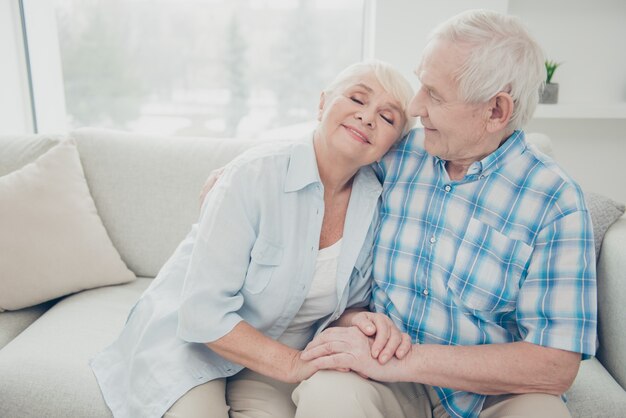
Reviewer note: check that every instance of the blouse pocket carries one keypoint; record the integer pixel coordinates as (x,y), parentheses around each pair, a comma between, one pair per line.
(488,269)
(264,258)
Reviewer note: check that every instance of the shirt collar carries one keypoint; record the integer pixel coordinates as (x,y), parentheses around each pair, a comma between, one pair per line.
(512,147)
(302,169)
(508,151)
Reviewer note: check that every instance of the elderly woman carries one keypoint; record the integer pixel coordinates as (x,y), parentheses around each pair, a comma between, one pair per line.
(282,248)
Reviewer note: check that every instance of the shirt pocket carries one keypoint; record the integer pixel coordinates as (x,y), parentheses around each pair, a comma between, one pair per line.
(264,258)
(488,269)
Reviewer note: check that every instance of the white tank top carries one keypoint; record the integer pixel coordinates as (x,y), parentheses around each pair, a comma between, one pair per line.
(319,302)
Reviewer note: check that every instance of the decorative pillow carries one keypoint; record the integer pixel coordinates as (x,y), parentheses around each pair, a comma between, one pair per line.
(52,241)
(604,212)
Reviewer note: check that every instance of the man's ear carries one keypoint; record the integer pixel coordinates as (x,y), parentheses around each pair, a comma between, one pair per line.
(500,111)
(320,110)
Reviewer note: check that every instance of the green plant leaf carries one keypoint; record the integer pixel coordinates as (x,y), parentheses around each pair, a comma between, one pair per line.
(551,67)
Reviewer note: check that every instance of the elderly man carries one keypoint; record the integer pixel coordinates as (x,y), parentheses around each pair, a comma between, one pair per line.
(484,254)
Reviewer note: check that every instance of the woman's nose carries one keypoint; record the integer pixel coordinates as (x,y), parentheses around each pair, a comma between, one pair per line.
(366,117)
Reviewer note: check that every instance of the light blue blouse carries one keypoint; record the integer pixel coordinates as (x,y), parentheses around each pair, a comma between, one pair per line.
(251,257)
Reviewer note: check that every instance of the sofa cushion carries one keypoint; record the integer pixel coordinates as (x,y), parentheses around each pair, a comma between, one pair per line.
(147,188)
(595,394)
(45,370)
(14,322)
(604,212)
(53,242)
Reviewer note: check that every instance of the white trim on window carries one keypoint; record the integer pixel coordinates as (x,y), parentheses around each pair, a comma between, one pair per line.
(15,110)
(369,29)
(45,64)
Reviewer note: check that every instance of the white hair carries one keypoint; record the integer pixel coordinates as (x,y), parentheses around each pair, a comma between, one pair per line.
(502,57)
(391,79)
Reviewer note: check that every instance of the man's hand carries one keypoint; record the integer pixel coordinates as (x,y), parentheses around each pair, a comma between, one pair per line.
(214,176)
(342,348)
(387,338)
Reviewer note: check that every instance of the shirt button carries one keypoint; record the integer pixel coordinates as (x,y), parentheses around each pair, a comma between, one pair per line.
(447,188)
(425,292)
(433,239)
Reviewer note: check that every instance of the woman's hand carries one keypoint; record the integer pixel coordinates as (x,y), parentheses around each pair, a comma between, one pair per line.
(388,340)
(299,369)
(247,346)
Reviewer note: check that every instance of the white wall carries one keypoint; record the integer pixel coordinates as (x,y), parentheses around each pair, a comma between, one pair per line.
(587,36)
(14,96)
(402,27)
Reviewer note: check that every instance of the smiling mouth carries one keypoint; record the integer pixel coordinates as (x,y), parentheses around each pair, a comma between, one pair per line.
(426,127)
(357,135)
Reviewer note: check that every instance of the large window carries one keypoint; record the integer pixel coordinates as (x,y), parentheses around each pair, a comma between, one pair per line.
(225,68)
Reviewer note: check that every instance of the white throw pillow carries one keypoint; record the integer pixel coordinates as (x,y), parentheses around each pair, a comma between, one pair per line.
(52,241)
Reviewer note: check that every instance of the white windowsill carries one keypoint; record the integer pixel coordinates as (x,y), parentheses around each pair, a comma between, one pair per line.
(581,111)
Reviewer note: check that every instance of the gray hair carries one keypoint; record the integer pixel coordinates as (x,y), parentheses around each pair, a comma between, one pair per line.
(503,57)
(390,78)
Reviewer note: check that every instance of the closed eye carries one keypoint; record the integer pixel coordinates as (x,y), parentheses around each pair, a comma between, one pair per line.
(387,119)
(354,99)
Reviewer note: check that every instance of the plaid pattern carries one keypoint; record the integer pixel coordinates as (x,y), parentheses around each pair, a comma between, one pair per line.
(506,254)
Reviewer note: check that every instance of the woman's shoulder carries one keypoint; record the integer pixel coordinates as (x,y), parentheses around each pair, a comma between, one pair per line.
(263,156)
(265,151)
(265,166)
(367,180)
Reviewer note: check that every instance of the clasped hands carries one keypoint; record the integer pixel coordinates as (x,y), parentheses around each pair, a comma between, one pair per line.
(372,347)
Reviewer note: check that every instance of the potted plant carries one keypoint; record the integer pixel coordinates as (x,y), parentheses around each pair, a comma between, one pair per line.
(550,91)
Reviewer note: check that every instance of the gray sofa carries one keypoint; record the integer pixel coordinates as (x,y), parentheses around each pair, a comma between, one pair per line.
(146,192)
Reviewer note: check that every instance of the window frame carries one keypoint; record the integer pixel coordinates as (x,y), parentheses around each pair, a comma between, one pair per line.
(44,73)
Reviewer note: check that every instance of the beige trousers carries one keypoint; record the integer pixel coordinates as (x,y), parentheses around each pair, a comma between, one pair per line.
(245,395)
(330,394)
(251,395)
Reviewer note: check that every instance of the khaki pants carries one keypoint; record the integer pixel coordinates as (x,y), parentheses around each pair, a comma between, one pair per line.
(330,394)
(245,395)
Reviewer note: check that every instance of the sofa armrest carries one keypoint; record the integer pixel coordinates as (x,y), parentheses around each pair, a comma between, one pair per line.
(612,301)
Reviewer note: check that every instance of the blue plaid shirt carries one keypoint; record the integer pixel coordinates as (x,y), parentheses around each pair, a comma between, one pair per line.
(505,254)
